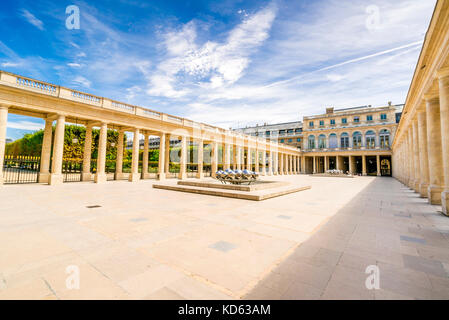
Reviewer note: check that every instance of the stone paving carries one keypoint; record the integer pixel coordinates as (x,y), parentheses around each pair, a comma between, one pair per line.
(137,242)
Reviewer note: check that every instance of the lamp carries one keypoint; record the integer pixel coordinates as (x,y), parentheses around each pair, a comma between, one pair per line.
(75,140)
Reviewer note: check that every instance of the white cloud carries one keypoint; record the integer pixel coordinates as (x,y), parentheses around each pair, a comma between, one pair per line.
(80,80)
(212,64)
(74,65)
(32,19)
(10,64)
(25,125)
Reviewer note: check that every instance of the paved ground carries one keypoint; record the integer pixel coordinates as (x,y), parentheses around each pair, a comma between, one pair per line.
(145,243)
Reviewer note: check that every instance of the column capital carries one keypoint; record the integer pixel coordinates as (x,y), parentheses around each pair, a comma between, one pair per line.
(4,106)
(431,96)
(443,73)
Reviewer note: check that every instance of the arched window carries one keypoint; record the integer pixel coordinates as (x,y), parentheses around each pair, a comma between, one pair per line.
(333,141)
(384,139)
(322,141)
(370,138)
(344,140)
(357,140)
(311,142)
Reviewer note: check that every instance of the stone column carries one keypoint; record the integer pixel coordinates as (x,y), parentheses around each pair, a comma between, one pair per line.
(443,82)
(100,176)
(248,159)
(378,165)
(200,173)
(183,159)
(167,154)
(87,156)
(363,165)
(415,137)
(434,149)
(326,163)
(411,159)
(351,164)
(281,164)
(256,159)
(270,163)
(239,157)
(295,163)
(264,162)
(303,165)
(58,152)
(314,164)
(227,150)
(44,173)
(119,160)
(214,158)
(286,164)
(3,126)
(423,159)
(146,147)
(290,164)
(338,160)
(161,160)
(134,175)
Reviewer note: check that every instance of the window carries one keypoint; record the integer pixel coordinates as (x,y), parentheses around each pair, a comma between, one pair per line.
(369,118)
(281,132)
(332,122)
(333,141)
(290,140)
(311,142)
(322,141)
(298,130)
(298,140)
(290,131)
(344,120)
(384,139)
(282,140)
(321,123)
(356,119)
(311,124)
(344,140)
(267,133)
(357,140)
(370,140)
(383,116)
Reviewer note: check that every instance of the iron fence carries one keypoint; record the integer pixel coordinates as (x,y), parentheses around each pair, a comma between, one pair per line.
(21,169)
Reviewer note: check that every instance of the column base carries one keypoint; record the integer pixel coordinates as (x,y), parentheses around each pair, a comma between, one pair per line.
(269,173)
(55,179)
(44,177)
(134,177)
(434,194)
(100,178)
(182,175)
(146,175)
(200,175)
(2,180)
(416,187)
(119,176)
(161,176)
(86,176)
(445,202)
(423,187)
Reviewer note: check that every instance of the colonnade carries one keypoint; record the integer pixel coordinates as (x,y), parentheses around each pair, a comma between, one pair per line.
(423,150)
(267,162)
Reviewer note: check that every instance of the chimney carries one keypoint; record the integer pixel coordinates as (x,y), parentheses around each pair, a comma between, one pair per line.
(330,110)
(389,103)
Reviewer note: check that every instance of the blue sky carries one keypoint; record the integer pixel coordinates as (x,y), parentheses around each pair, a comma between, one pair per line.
(229,63)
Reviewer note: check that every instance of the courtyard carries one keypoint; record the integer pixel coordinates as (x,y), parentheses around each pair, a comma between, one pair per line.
(132,241)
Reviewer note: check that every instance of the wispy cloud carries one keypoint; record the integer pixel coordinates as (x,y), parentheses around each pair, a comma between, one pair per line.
(32,19)
(25,125)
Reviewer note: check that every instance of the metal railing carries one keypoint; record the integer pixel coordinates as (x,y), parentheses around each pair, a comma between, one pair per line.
(21,169)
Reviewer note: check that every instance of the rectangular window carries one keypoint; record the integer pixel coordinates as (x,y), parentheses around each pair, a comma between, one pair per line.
(298,130)
(290,140)
(369,118)
(311,124)
(281,132)
(332,121)
(383,116)
(290,131)
(344,120)
(267,133)
(321,123)
(282,140)
(298,140)
(356,119)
